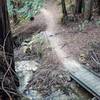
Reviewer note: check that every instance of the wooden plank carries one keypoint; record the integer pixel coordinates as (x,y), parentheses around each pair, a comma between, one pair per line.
(88,80)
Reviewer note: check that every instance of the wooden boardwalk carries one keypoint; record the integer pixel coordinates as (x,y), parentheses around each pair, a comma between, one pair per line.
(87,80)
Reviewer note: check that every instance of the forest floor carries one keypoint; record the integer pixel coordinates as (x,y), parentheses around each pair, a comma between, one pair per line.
(81,40)
(76,42)
(78,38)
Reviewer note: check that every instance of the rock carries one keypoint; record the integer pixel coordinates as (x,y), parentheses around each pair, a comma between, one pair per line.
(26,65)
(25,71)
(33,95)
(27,46)
(26,49)
(25,98)
(82,58)
(24,78)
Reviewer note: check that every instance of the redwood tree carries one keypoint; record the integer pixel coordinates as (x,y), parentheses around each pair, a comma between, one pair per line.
(64,11)
(88,9)
(98,2)
(8,79)
(79,6)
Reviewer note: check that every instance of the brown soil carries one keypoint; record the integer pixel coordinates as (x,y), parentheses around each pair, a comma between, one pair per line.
(79,42)
(73,41)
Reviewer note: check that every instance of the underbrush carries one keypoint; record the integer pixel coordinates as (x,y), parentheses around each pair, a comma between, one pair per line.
(49,80)
(93,57)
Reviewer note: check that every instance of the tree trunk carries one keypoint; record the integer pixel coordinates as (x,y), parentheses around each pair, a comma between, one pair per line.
(79,5)
(8,79)
(64,8)
(98,7)
(88,9)
(64,11)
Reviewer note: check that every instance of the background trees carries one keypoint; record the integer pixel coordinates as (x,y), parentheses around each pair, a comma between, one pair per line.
(78,6)
(82,8)
(98,5)
(23,9)
(64,11)
(88,9)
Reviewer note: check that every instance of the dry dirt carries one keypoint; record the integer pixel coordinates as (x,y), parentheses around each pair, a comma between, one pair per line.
(73,41)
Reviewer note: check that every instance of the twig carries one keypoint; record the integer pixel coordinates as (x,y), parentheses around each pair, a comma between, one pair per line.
(11,91)
(95,56)
(4,80)
(98,63)
(8,65)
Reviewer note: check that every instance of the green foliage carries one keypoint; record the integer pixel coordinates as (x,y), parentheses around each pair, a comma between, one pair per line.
(28,8)
(82,25)
(98,22)
(38,41)
(10,7)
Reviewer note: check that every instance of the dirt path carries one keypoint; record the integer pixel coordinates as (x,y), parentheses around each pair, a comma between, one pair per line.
(52,19)
(62,42)
(52,15)
(68,45)
(73,42)
(56,42)
(66,56)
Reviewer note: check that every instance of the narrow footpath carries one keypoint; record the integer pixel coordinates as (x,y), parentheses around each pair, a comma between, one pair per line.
(81,75)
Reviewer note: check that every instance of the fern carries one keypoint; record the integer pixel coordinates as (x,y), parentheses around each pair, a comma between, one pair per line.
(30,8)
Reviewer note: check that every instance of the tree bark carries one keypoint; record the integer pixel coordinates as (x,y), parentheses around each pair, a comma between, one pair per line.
(88,9)
(64,11)
(8,79)
(64,8)
(79,5)
(98,2)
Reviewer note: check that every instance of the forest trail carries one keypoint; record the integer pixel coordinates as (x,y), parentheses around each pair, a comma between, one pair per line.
(52,16)
(74,42)
(69,43)
(69,63)
(63,42)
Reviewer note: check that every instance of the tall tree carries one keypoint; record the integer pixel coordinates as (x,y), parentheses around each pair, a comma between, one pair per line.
(98,2)
(79,6)
(88,9)
(8,79)
(64,11)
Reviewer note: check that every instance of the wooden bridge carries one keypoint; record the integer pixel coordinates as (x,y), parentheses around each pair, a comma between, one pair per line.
(87,80)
